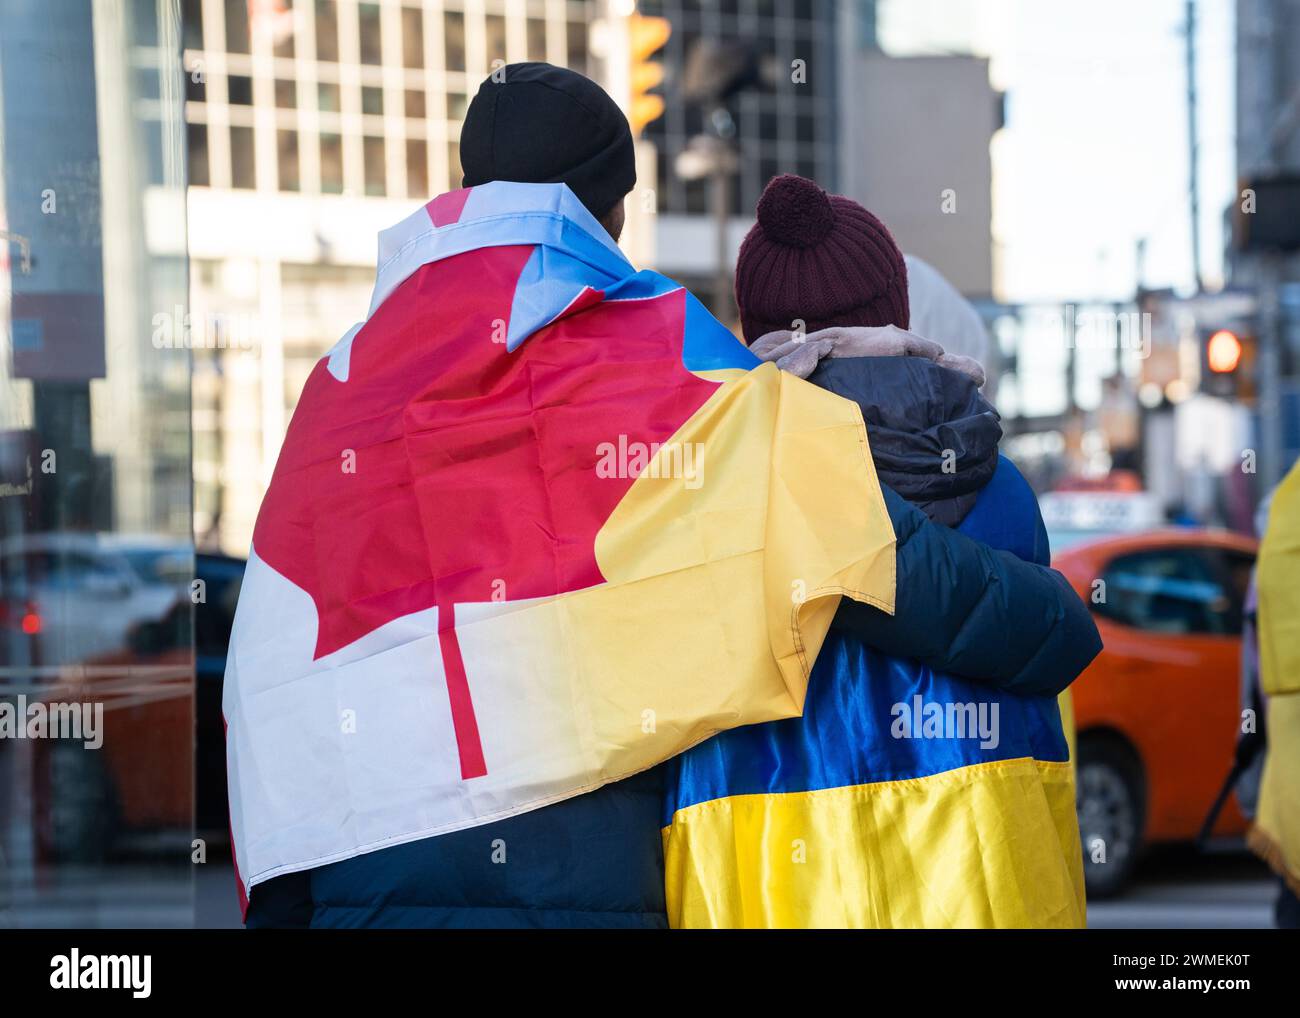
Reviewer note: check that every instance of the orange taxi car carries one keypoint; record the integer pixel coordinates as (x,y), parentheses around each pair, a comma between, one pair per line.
(1158,712)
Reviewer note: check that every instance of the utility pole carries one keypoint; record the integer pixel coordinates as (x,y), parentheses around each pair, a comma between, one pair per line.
(1269,339)
(1193,174)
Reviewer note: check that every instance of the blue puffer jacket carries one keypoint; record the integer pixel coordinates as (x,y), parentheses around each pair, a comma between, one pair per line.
(597,860)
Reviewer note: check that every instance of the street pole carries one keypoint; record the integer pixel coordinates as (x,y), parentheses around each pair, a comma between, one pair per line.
(1269,338)
(1193,174)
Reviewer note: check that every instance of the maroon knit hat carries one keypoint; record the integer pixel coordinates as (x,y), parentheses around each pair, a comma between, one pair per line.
(821,258)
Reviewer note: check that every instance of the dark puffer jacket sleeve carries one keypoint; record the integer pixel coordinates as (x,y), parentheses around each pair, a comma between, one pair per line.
(963,608)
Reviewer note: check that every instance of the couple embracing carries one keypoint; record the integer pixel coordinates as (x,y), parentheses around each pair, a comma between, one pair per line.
(812,685)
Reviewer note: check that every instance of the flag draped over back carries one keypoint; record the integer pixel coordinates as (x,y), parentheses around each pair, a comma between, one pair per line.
(539,522)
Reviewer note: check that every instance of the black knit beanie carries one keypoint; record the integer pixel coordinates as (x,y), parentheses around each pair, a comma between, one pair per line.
(544,124)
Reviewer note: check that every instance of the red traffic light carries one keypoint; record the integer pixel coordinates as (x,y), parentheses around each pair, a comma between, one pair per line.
(1223,352)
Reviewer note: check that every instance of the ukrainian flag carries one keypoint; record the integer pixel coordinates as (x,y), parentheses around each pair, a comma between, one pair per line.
(901,798)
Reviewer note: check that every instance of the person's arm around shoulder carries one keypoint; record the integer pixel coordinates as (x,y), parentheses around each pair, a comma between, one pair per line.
(965,608)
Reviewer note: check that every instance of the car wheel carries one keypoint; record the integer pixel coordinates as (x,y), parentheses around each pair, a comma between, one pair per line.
(79,814)
(1111,813)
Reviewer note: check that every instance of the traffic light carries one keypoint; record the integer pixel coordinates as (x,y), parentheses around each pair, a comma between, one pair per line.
(646,36)
(1228,364)
(1223,352)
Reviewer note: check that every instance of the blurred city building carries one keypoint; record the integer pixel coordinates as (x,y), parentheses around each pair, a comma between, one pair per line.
(1220,390)
(1267,208)
(312,125)
(786,121)
(914,148)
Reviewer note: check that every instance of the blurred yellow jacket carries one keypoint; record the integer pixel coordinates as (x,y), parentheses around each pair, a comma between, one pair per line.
(1276,833)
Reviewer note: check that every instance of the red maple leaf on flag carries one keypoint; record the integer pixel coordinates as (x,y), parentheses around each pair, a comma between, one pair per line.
(446,468)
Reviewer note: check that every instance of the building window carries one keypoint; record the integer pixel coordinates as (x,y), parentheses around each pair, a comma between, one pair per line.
(282,29)
(495,26)
(331,164)
(415,104)
(417,169)
(373,150)
(287,144)
(327,30)
(239,90)
(453,28)
(412,38)
(536,39)
(236,26)
(372,100)
(457,103)
(576,40)
(372,44)
(327,97)
(454,171)
(243,165)
(197,139)
(192,24)
(196,84)
(286,95)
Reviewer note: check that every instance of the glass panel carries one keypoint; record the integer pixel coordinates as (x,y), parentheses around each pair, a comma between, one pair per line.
(196,83)
(243,164)
(454,171)
(280,22)
(417,169)
(372,48)
(1171,591)
(328,97)
(288,150)
(240,90)
(373,150)
(96,554)
(197,144)
(237,26)
(412,38)
(286,95)
(496,38)
(192,23)
(327,30)
(536,39)
(454,39)
(331,164)
(576,37)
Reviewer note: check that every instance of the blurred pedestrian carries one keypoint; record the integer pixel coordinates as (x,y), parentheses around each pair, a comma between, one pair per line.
(1275,833)
(939,312)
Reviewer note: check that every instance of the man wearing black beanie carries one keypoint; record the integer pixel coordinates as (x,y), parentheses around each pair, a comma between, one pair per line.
(541,124)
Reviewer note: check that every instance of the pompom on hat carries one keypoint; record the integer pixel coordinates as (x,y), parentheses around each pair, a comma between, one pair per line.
(818,258)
